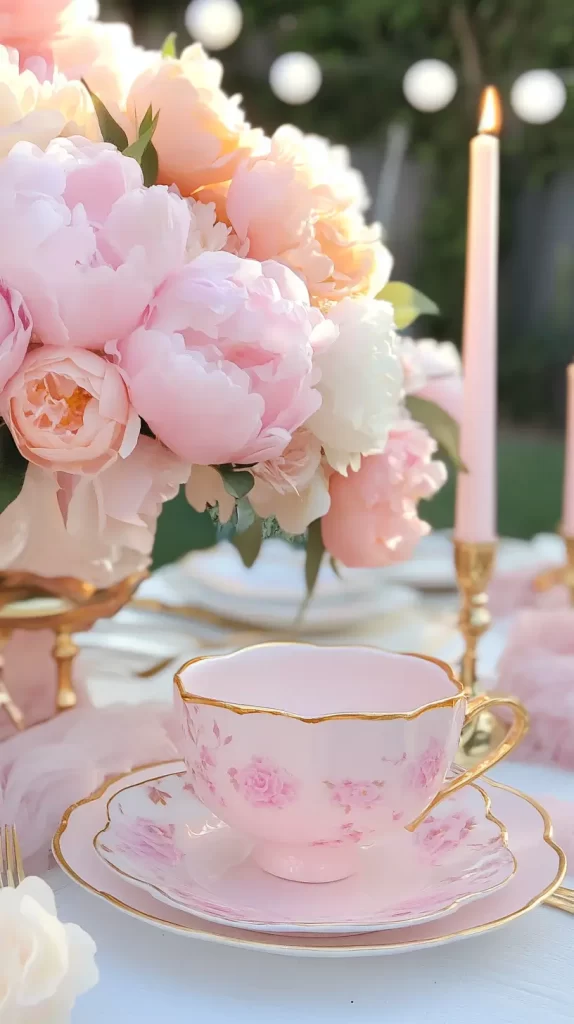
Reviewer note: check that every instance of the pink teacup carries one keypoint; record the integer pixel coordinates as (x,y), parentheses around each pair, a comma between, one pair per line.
(312,751)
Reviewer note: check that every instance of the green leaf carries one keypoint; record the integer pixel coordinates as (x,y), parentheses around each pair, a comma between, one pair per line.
(137,149)
(314,557)
(335,567)
(238,482)
(440,425)
(168,48)
(109,127)
(245,515)
(146,122)
(249,542)
(150,165)
(408,303)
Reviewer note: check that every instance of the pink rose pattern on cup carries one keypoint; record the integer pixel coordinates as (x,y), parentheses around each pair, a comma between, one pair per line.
(360,795)
(202,767)
(264,784)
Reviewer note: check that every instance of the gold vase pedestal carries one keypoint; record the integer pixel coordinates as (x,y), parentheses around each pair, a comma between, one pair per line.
(474,564)
(63,605)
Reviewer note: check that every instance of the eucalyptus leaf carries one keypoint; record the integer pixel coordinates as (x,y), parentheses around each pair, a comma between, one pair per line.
(248,543)
(408,303)
(109,127)
(168,47)
(440,425)
(245,515)
(237,482)
(137,149)
(314,556)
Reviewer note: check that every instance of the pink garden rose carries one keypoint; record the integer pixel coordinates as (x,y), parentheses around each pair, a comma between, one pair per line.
(264,784)
(68,409)
(373,517)
(223,370)
(100,528)
(293,487)
(202,134)
(84,242)
(15,331)
(297,201)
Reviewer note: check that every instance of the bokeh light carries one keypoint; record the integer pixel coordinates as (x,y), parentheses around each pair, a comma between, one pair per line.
(538,96)
(429,85)
(295,78)
(215,23)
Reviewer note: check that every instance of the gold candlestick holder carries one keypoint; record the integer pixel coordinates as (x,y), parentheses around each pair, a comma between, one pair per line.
(561,575)
(474,564)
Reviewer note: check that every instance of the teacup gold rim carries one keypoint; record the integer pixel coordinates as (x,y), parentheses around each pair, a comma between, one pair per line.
(458,902)
(371,716)
(256,940)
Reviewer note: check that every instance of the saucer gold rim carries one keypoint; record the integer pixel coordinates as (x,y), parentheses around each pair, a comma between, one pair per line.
(423,919)
(370,716)
(255,941)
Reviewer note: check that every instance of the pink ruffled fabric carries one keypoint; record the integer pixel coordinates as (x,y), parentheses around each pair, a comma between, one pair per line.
(538,667)
(49,767)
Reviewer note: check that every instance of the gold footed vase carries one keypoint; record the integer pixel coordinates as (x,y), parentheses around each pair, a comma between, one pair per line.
(474,564)
(63,605)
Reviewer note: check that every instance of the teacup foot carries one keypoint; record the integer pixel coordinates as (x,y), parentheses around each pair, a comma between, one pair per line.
(300,862)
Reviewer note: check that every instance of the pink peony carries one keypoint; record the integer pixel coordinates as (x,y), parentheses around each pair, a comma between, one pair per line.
(68,409)
(104,55)
(433,371)
(297,201)
(84,242)
(202,134)
(15,331)
(373,518)
(101,529)
(265,784)
(30,24)
(223,370)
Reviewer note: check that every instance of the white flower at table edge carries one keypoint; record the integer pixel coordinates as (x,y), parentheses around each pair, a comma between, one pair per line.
(44,964)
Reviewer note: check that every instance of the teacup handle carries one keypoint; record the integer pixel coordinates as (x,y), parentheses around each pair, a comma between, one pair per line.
(515,733)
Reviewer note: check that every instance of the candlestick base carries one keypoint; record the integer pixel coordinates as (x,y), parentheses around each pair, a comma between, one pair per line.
(474,564)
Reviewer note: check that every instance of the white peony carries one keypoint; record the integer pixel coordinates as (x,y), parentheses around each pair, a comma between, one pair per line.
(206,233)
(426,360)
(294,487)
(44,964)
(38,111)
(361,383)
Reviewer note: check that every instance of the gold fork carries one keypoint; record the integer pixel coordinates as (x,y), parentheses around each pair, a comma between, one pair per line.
(11,866)
(562,899)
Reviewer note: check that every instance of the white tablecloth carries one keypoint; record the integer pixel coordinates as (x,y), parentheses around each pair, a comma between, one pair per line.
(520,974)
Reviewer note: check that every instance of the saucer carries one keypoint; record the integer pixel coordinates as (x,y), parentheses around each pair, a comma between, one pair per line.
(540,870)
(160,837)
(270,594)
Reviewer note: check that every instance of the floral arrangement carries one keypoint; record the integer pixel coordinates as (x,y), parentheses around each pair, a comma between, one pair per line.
(186,301)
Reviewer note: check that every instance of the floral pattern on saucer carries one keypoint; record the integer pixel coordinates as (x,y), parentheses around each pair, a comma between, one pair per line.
(163,839)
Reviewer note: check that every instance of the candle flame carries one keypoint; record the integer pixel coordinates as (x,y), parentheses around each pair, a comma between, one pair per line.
(490,119)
